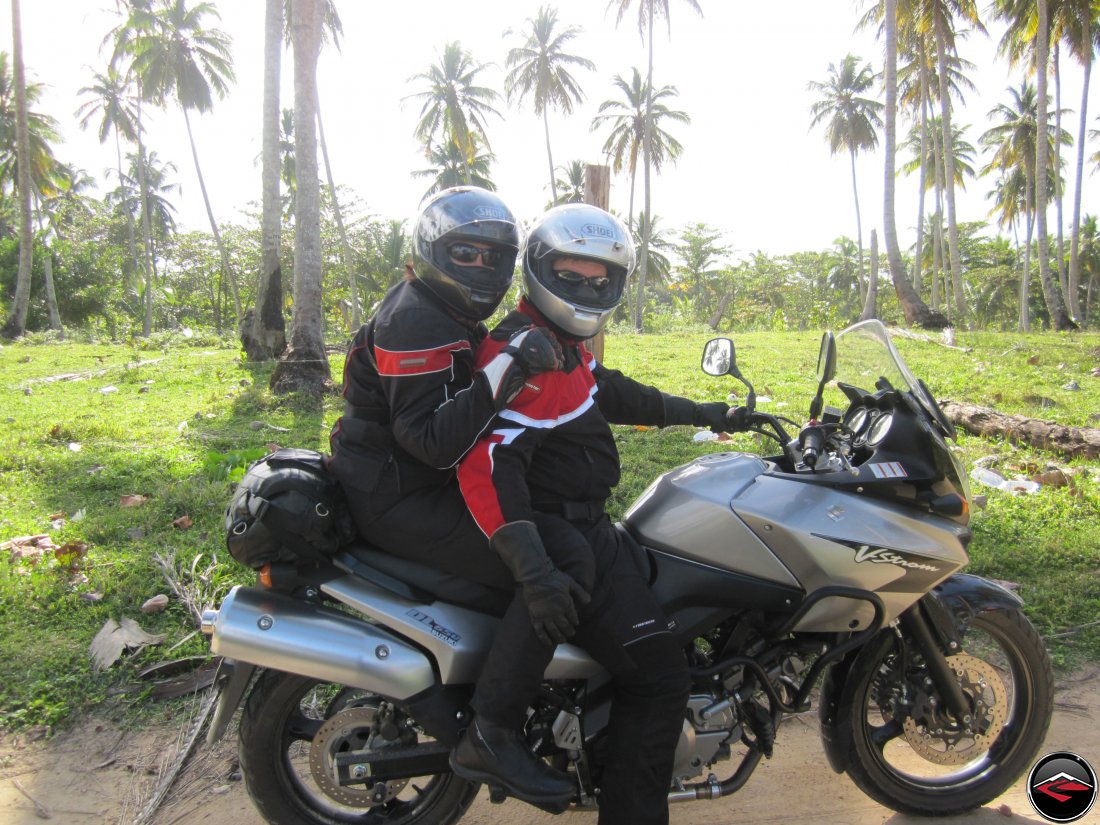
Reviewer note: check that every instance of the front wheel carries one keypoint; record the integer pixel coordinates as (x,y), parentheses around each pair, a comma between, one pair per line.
(292,730)
(910,755)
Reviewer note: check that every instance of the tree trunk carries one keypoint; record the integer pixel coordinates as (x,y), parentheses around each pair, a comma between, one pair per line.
(226,269)
(1074,442)
(1025,277)
(937,235)
(47,272)
(17,322)
(1075,227)
(915,311)
(549,155)
(949,174)
(647,156)
(146,228)
(861,279)
(133,281)
(304,367)
(723,305)
(1059,318)
(263,330)
(918,261)
(345,247)
(870,305)
(1063,277)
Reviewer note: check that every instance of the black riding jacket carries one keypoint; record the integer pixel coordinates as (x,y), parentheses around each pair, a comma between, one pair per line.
(414,401)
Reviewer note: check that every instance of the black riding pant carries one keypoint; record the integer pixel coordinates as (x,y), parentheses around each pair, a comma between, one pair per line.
(625,630)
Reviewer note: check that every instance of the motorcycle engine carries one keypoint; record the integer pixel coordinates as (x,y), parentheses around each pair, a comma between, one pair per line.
(711,723)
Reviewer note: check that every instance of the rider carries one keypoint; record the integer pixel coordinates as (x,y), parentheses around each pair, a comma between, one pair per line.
(414,399)
(538,478)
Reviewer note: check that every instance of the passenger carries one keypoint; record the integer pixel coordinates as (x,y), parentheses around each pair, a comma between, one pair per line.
(537,482)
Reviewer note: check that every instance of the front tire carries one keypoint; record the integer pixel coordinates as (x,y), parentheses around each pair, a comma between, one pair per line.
(908,755)
(283,762)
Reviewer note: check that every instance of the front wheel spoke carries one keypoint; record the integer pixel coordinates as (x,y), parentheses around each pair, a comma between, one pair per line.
(884,734)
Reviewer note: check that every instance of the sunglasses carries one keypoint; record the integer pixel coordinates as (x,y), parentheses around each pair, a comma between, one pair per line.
(576,279)
(466,253)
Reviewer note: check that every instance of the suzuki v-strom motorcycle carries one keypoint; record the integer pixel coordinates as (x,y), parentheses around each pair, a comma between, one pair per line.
(834,563)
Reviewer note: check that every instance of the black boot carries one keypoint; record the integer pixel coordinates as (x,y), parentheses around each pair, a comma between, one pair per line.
(497,756)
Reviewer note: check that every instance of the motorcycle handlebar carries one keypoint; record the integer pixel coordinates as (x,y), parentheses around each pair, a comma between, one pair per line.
(812,442)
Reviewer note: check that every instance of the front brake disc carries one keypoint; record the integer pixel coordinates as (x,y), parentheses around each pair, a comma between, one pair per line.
(348,730)
(945,741)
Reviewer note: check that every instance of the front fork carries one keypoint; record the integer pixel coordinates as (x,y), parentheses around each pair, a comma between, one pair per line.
(916,627)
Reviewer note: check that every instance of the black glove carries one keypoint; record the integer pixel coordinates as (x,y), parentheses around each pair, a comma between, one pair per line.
(530,351)
(738,419)
(535,350)
(711,414)
(552,596)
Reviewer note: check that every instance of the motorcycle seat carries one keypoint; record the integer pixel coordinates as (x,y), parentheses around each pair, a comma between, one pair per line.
(419,582)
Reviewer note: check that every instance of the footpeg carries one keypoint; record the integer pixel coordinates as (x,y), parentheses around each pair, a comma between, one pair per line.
(497,794)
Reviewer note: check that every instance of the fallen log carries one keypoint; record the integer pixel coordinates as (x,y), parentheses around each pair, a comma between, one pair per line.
(1075,442)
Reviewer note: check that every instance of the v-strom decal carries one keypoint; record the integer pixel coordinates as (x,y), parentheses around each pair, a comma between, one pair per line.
(883,555)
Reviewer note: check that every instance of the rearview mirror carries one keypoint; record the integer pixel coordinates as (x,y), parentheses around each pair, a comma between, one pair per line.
(826,371)
(718,356)
(826,359)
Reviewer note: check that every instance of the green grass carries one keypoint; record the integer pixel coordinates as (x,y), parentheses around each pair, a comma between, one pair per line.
(176,428)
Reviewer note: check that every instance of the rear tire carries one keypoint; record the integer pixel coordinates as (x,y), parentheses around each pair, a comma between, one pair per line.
(281,720)
(903,754)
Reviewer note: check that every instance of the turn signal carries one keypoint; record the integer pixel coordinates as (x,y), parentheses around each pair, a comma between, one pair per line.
(951,504)
(263,576)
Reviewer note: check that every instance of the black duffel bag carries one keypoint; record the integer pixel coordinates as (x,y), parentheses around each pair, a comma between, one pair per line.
(287,509)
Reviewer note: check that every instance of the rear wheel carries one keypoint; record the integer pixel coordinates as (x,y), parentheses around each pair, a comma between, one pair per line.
(292,731)
(909,754)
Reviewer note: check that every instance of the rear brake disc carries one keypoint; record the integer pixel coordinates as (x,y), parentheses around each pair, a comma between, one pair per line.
(348,730)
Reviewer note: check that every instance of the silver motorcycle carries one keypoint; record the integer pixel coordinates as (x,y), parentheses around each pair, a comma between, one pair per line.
(833,563)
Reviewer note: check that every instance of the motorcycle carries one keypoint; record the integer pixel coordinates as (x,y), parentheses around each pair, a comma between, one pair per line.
(834,562)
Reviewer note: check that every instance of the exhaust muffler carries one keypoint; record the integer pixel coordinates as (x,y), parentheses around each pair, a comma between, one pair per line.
(276,631)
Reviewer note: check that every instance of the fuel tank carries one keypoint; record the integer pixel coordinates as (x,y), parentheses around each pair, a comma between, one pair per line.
(735,512)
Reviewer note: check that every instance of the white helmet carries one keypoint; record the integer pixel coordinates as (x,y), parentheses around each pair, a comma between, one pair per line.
(578,306)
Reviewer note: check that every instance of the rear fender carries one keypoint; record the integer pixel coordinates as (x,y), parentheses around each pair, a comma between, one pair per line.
(949,608)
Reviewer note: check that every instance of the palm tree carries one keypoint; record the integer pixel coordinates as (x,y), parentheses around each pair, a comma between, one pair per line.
(1059,317)
(1080,23)
(569,188)
(454,107)
(938,18)
(139,19)
(648,12)
(1015,144)
(1090,260)
(916,312)
(850,121)
(931,156)
(626,117)
(17,322)
(178,58)
(453,167)
(111,100)
(540,68)
(304,365)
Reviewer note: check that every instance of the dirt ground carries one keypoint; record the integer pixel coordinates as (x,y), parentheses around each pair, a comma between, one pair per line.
(96,774)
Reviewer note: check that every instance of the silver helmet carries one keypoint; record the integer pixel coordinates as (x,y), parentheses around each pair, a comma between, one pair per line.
(578,306)
(454,216)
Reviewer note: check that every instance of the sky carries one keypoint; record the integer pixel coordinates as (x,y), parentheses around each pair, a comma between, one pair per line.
(751,166)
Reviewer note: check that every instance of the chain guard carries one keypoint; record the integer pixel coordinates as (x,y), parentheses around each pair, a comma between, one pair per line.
(350,729)
(940,739)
